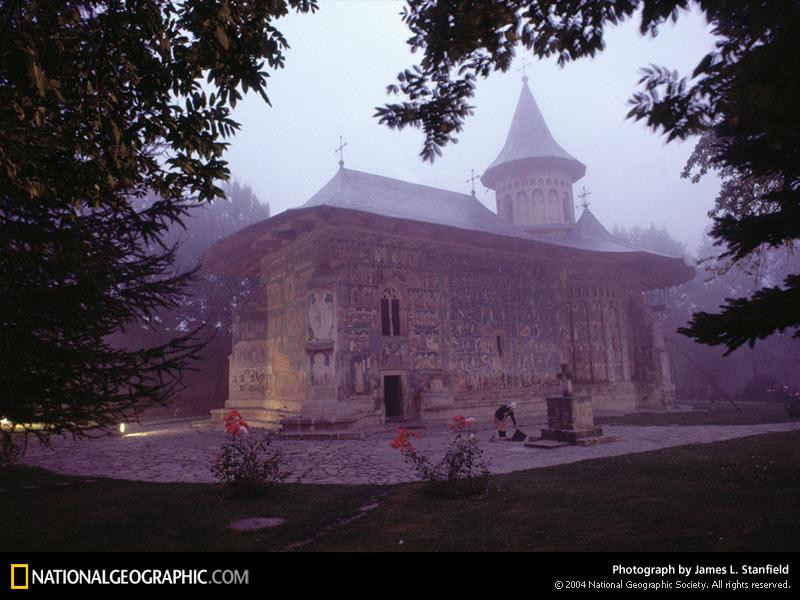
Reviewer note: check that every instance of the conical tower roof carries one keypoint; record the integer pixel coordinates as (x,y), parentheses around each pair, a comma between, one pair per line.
(529,141)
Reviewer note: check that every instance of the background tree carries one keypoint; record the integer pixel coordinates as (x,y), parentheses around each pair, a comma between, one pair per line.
(744,95)
(748,225)
(652,238)
(207,299)
(102,102)
(700,371)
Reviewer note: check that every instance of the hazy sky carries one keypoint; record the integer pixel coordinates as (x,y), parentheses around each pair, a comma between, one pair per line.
(342,58)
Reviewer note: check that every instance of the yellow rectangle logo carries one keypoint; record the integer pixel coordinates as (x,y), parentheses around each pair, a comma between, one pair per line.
(15,575)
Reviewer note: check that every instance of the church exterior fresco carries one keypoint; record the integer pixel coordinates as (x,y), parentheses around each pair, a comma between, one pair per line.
(384,299)
(476,327)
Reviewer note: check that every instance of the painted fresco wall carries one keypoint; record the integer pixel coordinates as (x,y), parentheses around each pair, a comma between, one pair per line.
(650,361)
(301,336)
(473,328)
(482,327)
(285,329)
(247,379)
(600,334)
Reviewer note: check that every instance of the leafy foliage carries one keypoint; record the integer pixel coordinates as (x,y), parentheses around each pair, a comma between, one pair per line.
(749,207)
(743,95)
(462,40)
(101,103)
(207,299)
(247,465)
(703,371)
(742,320)
(652,238)
(460,473)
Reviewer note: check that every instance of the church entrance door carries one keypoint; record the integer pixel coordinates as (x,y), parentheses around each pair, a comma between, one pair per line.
(393,396)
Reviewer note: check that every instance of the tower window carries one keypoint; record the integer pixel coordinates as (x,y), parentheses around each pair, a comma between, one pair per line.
(507,208)
(499,342)
(390,312)
(553,205)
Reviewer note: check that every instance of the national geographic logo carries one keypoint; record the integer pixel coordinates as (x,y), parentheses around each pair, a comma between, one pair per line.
(19,577)
(22,576)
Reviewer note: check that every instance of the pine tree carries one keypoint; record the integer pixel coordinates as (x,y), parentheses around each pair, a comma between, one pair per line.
(103,102)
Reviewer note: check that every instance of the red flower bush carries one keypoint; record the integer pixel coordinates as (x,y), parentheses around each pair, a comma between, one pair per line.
(246,465)
(461,472)
(459,422)
(402,440)
(234,423)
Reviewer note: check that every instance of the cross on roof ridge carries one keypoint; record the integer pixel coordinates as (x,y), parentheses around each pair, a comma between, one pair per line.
(340,149)
(522,68)
(583,195)
(472,179)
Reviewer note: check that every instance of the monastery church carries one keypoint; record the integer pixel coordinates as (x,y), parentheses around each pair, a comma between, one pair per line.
(384,300)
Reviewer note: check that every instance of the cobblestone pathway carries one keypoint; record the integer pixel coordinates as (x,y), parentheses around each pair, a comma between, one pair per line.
(178,452)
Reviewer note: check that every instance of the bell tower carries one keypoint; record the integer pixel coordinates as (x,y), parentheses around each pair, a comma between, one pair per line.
(532,176)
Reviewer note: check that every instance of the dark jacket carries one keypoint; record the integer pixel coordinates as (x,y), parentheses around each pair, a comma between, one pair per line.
(503,412)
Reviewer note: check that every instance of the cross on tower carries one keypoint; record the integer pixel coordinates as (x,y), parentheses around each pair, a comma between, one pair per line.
(565,377)
(339,150)
(525,63)
(583,195)
(472,179)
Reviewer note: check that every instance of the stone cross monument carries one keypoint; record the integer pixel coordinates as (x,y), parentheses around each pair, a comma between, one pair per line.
(566,380)
(569,418)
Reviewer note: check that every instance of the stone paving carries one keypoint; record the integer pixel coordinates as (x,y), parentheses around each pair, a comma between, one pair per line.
(179,453)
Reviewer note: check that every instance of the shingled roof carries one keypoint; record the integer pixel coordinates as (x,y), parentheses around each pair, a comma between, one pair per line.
(350,190)
(357,190)
(657,270)
(588,233)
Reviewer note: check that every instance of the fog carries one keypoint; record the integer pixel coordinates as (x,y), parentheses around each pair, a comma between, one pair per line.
(342,58)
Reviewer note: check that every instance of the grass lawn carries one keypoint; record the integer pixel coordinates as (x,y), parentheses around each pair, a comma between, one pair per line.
(728,496)
(749,413)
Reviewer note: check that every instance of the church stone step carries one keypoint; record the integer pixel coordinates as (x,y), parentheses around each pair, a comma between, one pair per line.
(333,424)
(255,417)
(546,444)
(291,425)
(331,434)
(240,403)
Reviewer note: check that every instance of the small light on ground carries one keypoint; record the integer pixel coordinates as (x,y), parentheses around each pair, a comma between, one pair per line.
(122,428)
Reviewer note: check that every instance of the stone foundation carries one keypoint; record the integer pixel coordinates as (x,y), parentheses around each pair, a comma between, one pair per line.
(570,421)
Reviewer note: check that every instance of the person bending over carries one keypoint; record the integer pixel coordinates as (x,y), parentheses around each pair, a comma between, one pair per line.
(501,415)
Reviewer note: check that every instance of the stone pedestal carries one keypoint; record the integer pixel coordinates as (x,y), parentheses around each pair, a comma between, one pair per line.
(570,421)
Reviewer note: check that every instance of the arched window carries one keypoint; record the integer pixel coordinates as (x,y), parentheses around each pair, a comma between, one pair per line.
(538,206)
(522,207)
(390,311)
(553,207)
(507,213)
